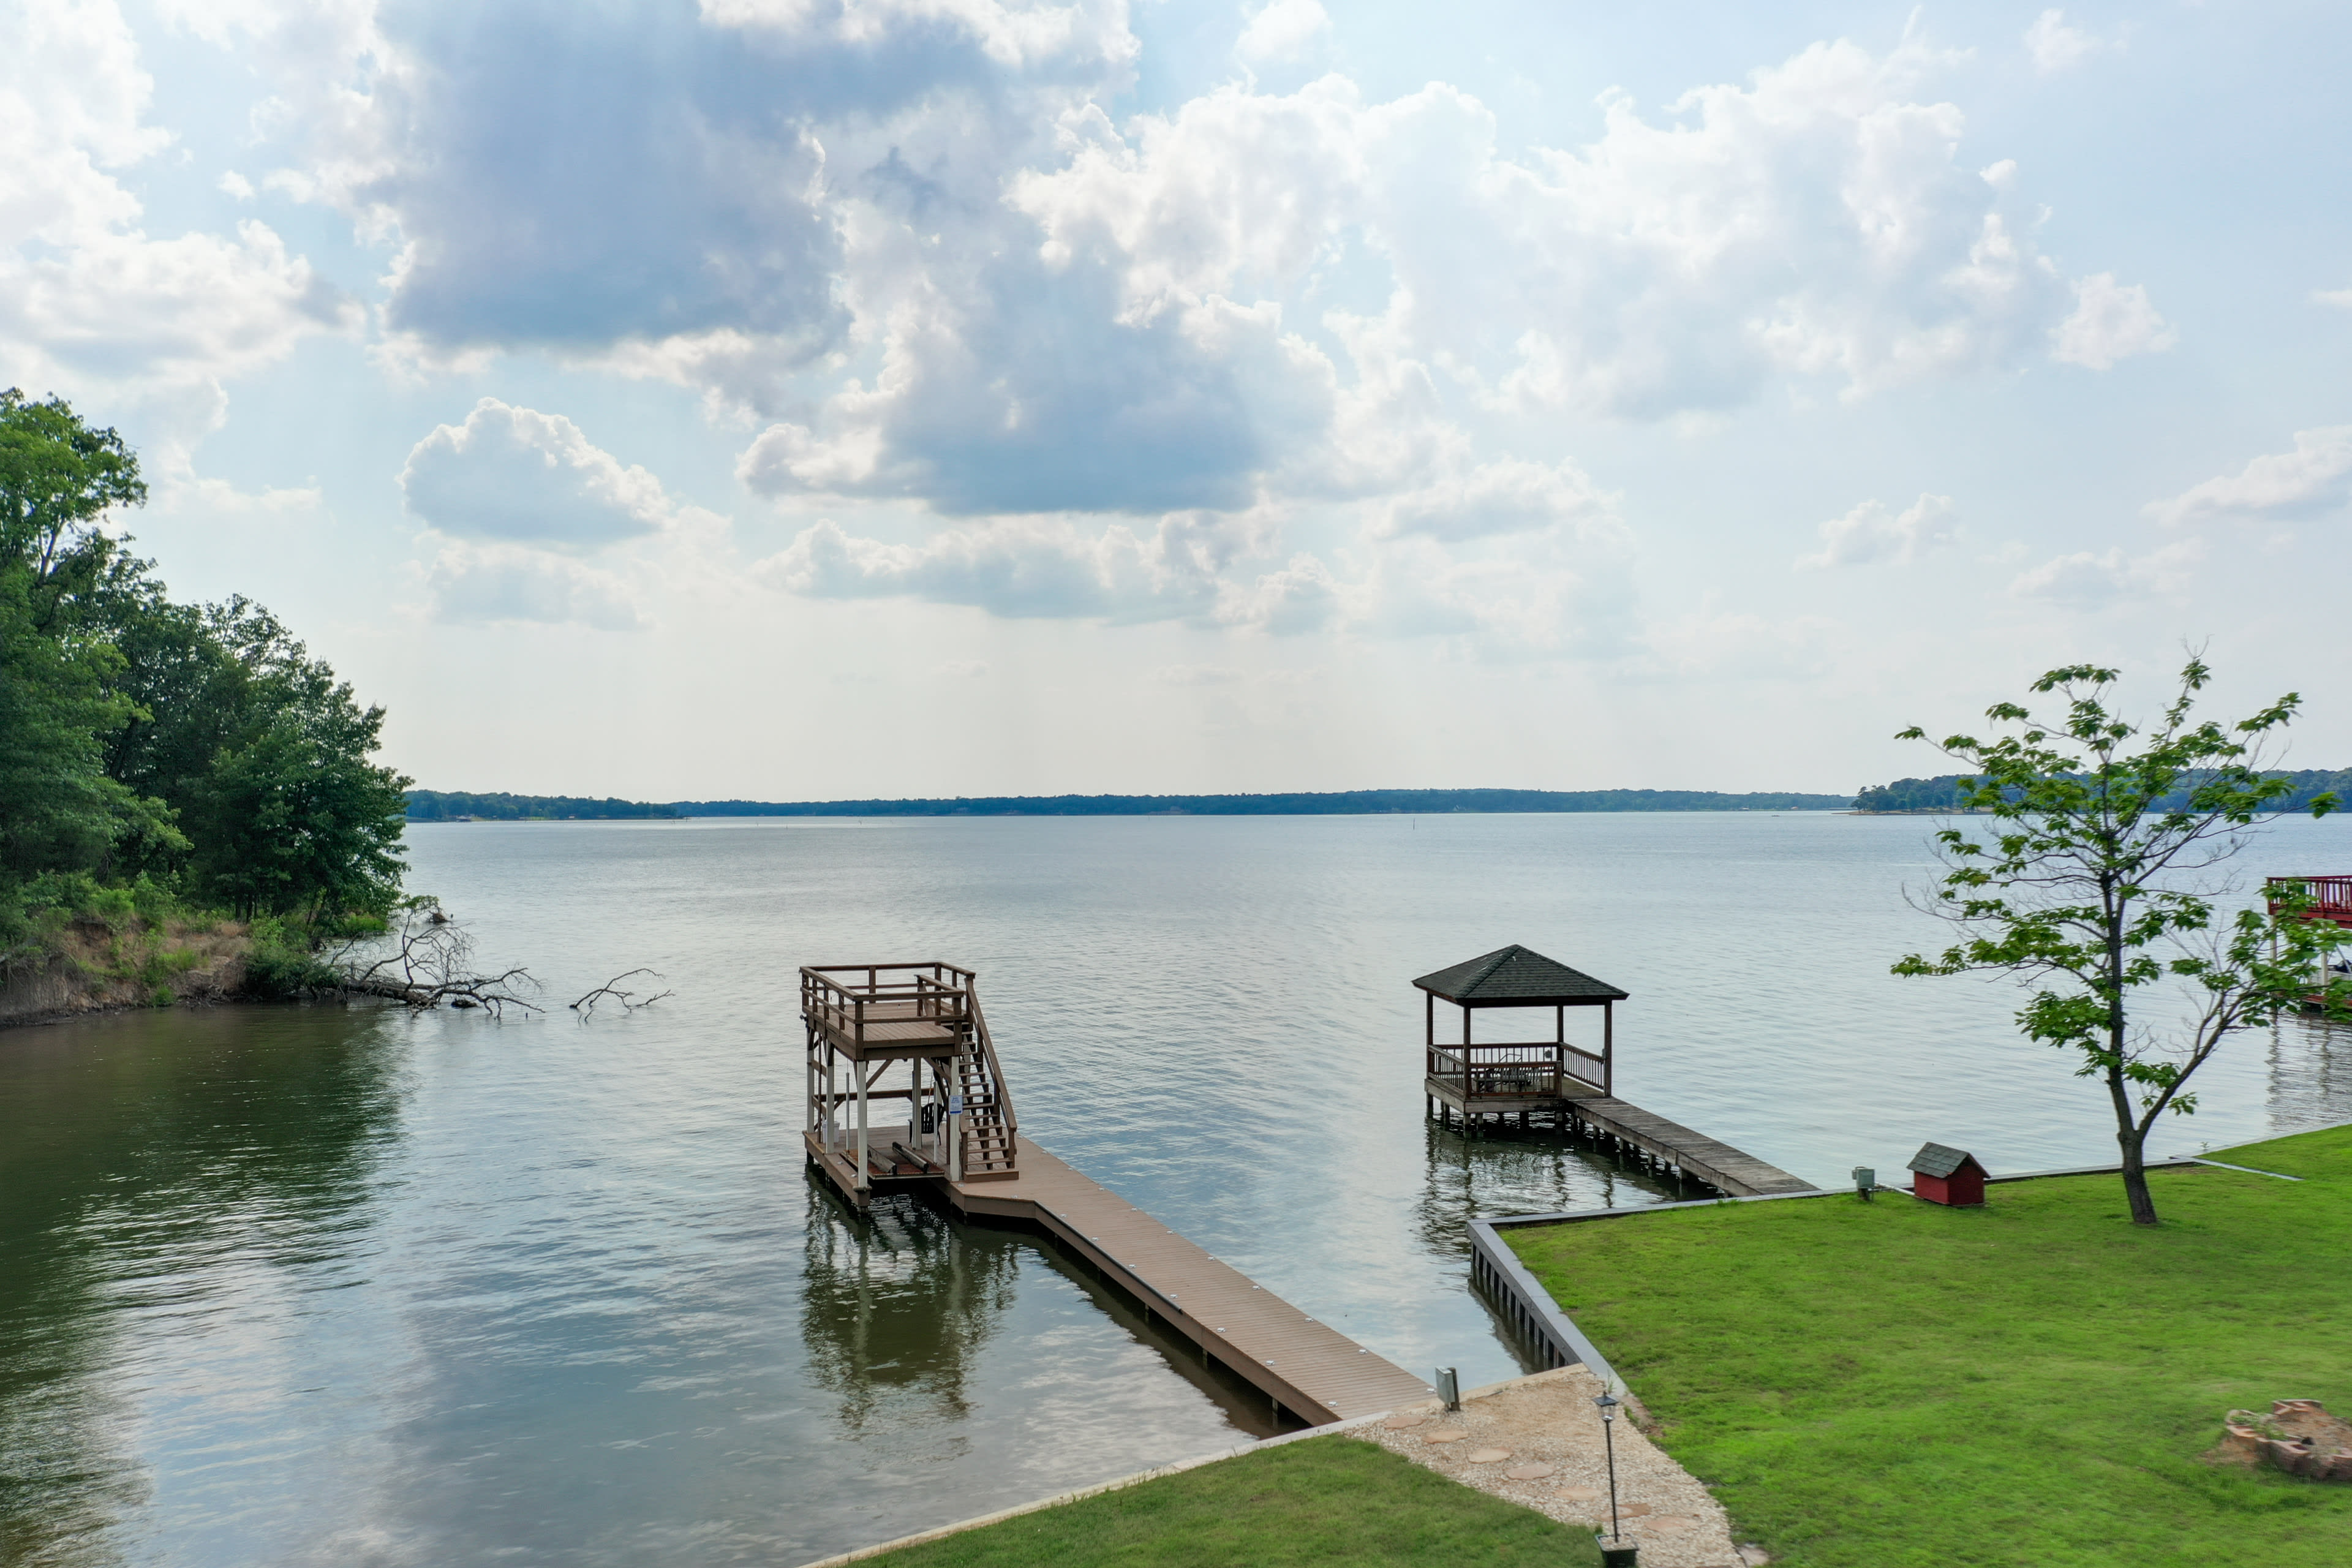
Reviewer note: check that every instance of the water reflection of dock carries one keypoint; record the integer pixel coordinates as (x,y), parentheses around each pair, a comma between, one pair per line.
(961,1141)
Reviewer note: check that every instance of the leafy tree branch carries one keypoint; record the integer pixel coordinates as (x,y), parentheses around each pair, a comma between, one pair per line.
(2093,878)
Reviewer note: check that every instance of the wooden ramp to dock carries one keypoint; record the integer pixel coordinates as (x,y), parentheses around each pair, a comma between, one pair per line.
(1308,1368)
(1718,1165)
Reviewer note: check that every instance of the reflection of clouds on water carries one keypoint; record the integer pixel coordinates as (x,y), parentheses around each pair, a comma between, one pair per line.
(170,1178)
(896,1306)
(2310,1062)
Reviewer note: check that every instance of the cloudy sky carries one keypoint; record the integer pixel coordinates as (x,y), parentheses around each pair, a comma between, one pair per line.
(805,398)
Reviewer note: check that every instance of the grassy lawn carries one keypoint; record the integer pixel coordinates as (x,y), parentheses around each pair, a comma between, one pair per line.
(1325,1500)
(1877,1385)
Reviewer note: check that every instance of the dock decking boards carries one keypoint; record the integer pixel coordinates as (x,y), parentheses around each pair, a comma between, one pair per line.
(1717,1163)
(1308,1368)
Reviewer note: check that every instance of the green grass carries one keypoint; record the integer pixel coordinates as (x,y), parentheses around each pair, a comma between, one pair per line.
(1327,1500)
(2033,1383)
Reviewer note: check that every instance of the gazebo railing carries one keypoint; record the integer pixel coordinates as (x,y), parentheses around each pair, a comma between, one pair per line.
(1526,1070)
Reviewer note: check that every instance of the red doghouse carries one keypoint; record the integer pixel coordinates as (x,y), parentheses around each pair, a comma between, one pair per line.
(1947,1175)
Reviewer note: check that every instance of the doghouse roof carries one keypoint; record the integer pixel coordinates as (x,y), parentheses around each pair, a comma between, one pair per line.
(1943,1159)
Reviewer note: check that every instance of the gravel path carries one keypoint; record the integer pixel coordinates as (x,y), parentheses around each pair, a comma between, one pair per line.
(1537,1441)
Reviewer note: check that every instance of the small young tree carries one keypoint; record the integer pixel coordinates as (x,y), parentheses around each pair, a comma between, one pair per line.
(2093,882)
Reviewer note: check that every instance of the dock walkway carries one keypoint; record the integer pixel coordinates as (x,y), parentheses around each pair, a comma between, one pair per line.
(1709,1159)
(1308,1368)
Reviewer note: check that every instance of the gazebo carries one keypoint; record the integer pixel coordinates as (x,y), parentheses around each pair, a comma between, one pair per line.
(1482,1077)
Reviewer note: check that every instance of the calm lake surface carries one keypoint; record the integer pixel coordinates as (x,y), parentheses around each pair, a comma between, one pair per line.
(302,1285)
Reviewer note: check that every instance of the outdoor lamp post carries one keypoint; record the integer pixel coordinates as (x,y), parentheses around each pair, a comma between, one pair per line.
(1614,1551)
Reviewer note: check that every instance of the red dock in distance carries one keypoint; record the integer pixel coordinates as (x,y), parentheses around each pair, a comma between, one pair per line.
(2332,896)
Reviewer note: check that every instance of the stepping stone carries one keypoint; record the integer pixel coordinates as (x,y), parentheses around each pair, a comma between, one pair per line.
(1487,1456)
(1581,1494)
(1670,1523)
(1632,1510)
(1534,1472)
(1456,1436)
(1403,1422)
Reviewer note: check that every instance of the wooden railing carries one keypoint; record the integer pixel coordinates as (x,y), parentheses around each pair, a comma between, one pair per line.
(1524,1070)
(2331,895)
(831,996)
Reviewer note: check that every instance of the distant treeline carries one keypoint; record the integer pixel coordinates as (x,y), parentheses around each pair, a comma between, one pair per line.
(1942,792)
(442,806)
(439,805)
(1359,802)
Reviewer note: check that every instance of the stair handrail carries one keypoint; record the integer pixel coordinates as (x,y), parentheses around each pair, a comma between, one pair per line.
(988,1053)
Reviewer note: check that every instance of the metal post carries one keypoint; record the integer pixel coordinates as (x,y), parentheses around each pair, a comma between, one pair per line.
(955,1126)
(864,1180)
(1609,1049)
(1609,1438)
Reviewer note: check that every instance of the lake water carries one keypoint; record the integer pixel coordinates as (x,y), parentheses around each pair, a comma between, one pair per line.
(305,1285)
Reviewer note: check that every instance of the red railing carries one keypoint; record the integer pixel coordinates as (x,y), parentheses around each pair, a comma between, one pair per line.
(2331,895)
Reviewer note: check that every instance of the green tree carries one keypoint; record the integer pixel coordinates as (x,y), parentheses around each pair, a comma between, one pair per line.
(288,816)
(60,811)
(59,480)
(202,747)
(2094,880)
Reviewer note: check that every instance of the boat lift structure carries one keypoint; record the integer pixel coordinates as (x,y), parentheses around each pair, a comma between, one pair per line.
(909,1034)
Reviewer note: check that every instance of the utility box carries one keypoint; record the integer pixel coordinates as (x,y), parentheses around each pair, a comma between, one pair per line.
(1947,1175)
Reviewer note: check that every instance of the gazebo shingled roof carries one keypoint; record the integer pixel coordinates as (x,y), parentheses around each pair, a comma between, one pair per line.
(1516,976)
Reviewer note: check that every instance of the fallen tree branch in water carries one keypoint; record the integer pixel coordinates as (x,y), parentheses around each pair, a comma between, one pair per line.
(429,965)
(587,1004)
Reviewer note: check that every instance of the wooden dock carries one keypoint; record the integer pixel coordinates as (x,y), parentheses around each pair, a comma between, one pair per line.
(1697,1155)
(1554,1084)
(1305,1367)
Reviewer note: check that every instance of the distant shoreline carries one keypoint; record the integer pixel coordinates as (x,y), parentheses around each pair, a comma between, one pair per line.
(433,805)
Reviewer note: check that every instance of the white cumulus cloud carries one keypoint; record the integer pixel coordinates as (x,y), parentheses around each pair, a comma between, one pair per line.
(1283,30)
(1870,535)
(1815,221)
(2087,580)
(2313,478)
(2110,321)
(91,302)
(516,473)
(1508,496)
(1031,566)
(2054,47)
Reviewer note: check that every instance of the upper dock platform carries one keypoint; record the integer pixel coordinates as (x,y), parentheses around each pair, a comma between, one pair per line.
(889,1012)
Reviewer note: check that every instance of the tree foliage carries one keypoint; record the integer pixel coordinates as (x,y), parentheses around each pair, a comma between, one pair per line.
(198,747)
(1940,795)
(2096,880)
